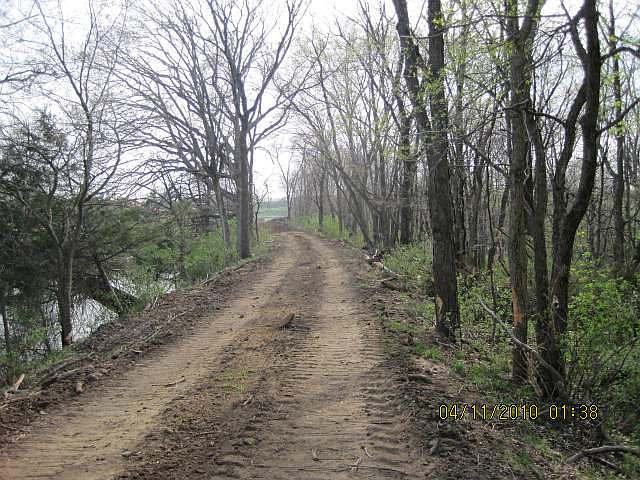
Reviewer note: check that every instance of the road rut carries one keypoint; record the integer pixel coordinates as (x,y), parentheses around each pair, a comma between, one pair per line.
(335,409)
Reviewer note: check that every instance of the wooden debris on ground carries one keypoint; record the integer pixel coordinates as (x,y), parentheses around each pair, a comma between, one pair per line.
(286,322)
(171,384)
(14,388)
(603,449)
(58,377)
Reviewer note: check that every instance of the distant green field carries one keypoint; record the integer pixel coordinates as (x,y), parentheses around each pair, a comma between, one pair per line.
(272,212)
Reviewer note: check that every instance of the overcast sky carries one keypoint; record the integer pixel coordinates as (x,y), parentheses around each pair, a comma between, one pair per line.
(321,15)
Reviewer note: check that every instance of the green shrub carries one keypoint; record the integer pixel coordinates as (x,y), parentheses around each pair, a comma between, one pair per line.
(413,262)
(26,343)
(602,343)
(207,255)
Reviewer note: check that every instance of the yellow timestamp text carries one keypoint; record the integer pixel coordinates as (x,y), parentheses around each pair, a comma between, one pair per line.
(512,411)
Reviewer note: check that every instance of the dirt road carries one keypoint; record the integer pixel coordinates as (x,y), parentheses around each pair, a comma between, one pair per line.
(241,397)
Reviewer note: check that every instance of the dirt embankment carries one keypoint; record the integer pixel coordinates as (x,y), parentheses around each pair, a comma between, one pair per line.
(283,370)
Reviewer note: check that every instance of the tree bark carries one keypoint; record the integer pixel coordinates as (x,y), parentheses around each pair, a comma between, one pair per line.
(618,177)
(410,167)
(222,211)
(435,136)
(5,319)
(64,295)
(520,40)
(244,216)
(567,220)
(321,200)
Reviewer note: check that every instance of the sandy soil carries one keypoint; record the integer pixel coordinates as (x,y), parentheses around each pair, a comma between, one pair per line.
(242,397)
(281,369)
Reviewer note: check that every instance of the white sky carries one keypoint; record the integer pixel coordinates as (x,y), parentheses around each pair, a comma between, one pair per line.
(321,15)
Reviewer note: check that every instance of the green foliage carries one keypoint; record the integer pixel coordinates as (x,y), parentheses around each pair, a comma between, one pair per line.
(602,343)
(272,212)
(401,327)
(430,352)
(145,283)
(414,263)
(27,337)
(458,367)
(522,464)
(601,346)
(207,255)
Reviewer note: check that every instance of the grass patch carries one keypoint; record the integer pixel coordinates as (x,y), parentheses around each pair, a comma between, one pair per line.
(458,367)
(540,444)
(428,352)
(400,327)
(330,229)
(233,382)
(272,212)
(522,464)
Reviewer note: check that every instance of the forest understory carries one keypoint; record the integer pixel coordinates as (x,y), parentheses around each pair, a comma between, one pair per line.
(292,365)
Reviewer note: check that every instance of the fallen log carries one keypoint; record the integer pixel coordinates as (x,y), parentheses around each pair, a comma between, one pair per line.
(51,379)
(65,363)
(20,398)
(603,449)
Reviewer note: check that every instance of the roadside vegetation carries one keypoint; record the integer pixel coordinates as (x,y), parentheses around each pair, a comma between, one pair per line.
(600,347)
(132,252)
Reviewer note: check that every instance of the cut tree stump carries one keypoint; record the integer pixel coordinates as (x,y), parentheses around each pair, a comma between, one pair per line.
(14,388)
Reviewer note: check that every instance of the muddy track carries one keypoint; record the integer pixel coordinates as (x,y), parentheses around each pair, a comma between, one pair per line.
(338,414)
(316,400)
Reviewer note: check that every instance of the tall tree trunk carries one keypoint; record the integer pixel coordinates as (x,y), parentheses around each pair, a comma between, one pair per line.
(222,209)
(566,221)
(477,253)
(537,227)
(289,203)
(618,177)
(4,291)
(459,173)
(321,200)
(440,203)
(597,253)
(339,207)
(439,189)
(409,171)
(244,214)
(520,73)
(64,295)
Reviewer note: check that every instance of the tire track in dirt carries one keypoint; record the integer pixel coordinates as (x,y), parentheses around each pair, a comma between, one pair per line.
(338,411)
(87,438)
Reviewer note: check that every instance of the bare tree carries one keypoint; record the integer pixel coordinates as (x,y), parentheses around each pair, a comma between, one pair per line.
(82,168)
(241,37)
(289,176)
(434,135)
